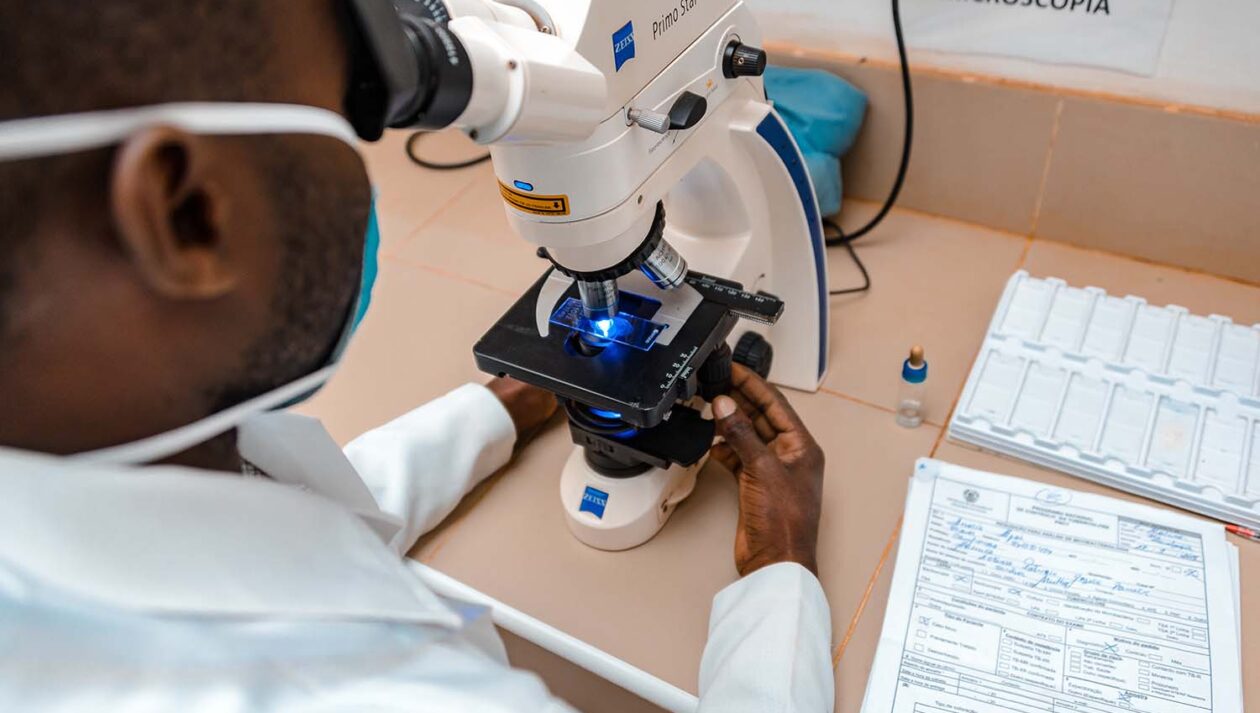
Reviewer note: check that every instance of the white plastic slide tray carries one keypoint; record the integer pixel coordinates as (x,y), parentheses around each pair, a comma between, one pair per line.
(1152,400)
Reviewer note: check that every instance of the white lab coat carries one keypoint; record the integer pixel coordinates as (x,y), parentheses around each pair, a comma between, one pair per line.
(166,588)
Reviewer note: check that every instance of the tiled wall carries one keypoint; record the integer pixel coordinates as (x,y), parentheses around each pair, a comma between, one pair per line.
(1176,185)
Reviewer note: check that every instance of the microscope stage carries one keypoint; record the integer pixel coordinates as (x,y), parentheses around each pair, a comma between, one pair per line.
(639,386)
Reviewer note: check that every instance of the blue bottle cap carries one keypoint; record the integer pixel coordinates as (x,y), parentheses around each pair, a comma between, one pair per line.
(914,374)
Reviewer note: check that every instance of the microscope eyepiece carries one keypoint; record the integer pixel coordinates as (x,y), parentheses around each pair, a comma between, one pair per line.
(445,71)
(414,65)
(407,68)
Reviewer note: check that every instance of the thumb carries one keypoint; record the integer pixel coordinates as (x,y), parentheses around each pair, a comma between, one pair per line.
(734,426)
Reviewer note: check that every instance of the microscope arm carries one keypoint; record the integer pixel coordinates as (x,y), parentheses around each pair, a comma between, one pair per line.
(528,86)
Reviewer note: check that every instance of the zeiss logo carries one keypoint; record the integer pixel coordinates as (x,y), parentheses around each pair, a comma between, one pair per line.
(594,501)
(623,45)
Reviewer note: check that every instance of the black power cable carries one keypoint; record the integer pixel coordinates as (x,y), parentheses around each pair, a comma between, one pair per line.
(838,240)
(425,163)
(846,240)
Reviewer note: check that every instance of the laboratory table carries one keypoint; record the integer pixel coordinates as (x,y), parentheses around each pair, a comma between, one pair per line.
(450,266)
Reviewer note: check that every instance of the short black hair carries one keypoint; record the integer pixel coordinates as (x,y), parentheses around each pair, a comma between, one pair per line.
(64,56)
(69,56)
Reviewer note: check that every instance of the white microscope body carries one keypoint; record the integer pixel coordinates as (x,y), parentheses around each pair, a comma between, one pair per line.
(574,97)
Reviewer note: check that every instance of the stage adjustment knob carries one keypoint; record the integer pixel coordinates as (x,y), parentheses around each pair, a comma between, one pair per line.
(753,351)
(743,61)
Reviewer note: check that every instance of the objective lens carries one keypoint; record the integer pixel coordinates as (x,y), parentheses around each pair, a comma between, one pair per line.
(665,267)
(599,299)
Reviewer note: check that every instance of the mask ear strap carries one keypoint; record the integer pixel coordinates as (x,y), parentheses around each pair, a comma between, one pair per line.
(69,133)
(181,439)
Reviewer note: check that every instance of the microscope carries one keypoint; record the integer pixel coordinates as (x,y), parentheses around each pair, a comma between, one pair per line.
(674,218)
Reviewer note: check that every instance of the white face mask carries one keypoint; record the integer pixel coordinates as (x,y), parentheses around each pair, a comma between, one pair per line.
(56,135)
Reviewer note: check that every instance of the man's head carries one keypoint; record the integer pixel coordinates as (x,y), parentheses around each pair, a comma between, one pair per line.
(148,284)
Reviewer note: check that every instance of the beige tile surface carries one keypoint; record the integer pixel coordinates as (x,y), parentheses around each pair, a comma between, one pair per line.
(578,687)
(935,282)
(411,348)
(1158,284)
(650,605)
(1176,188)
(408,195)
(1249,573)
(979,150)
(854,668)
(472,239)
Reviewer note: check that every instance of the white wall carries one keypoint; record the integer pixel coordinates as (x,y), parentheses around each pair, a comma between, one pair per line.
(1211,54)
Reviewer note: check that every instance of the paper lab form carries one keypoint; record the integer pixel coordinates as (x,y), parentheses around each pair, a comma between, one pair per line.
(1011,595)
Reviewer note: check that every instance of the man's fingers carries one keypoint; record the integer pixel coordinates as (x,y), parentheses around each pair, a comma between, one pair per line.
(739,432)
(760,422)
(725,456)
(767,399)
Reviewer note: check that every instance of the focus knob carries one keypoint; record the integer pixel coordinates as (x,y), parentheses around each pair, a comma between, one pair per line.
(743,61)
(753,351)
(715,374)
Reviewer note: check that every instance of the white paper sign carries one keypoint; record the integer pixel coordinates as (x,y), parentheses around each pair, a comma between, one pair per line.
(1113,34)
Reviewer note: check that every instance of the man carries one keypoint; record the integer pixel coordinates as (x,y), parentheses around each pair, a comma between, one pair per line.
(174,264)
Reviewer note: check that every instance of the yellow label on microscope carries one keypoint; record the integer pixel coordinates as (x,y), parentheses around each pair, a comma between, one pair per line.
(537,205)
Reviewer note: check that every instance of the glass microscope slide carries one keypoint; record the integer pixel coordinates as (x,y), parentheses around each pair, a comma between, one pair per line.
(626,328)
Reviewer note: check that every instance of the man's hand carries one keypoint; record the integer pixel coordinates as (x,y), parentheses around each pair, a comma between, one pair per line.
(529,406)
(779,468)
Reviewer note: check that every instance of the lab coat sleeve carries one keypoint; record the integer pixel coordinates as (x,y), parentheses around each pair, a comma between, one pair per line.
(769,646)
(420,465)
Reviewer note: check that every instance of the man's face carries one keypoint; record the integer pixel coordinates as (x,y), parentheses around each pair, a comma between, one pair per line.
(320,196)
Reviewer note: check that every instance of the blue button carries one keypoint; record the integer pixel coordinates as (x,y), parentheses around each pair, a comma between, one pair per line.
(523,185)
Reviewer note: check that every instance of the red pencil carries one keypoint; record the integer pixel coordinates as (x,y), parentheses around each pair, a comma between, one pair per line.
(1241,531)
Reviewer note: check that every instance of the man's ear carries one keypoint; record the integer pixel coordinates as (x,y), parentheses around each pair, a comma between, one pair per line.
(169,213)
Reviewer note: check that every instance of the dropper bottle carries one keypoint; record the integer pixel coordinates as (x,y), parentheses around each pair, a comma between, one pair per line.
(914,373)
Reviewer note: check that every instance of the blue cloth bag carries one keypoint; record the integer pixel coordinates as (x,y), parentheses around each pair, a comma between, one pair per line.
(824,114)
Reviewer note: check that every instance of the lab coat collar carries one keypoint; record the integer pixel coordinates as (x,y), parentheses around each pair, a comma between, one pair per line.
(296,450)
(177,541)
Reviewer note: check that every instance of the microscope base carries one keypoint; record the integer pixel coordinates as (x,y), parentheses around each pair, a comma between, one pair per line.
(620,513)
